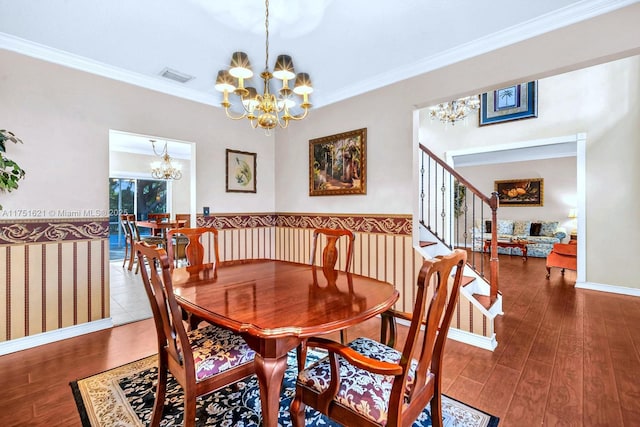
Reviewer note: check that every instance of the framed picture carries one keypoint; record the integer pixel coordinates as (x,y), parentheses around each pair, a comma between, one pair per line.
(241,172)
(337,164)
(515,102)
(520,192)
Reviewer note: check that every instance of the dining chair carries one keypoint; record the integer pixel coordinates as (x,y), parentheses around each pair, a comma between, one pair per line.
(194,252)
(158,217)
(201,360)
(371,384)
(128,239)
(137,238)
(186,218)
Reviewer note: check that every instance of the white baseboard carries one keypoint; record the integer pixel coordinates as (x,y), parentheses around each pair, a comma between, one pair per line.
(613,289)
(53,336)
(487,343)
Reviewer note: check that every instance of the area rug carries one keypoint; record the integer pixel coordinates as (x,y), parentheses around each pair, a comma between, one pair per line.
(124,396)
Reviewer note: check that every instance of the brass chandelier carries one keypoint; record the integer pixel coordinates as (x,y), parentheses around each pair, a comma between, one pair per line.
(264,110)
(454,111)
(164,169)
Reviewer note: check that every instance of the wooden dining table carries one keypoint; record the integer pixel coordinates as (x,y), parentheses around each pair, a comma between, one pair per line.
(275,305)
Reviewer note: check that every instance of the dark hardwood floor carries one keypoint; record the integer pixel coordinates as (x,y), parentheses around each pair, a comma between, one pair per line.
(565,357)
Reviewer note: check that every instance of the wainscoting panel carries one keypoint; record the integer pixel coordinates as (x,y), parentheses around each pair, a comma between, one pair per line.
(53,274)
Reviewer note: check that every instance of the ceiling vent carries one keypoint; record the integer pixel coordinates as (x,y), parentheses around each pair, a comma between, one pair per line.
(168,73)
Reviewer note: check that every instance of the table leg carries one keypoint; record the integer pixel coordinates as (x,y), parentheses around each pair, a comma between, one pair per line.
(270,373)
(524,252)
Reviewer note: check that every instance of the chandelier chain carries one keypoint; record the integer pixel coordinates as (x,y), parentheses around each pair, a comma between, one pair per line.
(266,28)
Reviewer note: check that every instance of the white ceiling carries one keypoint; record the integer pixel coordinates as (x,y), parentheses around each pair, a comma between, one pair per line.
(348,47)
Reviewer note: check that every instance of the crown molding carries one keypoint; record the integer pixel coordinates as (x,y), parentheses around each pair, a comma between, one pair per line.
(557,19)
(56,56)
(543,24)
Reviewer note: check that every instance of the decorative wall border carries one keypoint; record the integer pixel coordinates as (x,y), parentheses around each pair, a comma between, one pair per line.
(383,224)
(19,232)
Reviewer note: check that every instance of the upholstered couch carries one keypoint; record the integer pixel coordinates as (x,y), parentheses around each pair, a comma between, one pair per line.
(542,235)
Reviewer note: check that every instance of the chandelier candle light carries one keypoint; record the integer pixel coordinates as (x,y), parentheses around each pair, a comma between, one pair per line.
(164,169)
(453,111)
(264,110)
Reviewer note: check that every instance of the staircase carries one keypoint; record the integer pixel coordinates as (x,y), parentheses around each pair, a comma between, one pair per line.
(452,214)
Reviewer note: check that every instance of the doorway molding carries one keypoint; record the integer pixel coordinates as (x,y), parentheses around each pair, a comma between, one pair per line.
(546,148)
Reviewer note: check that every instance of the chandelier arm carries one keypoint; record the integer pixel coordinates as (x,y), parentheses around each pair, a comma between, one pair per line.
(226,110)
(300,116)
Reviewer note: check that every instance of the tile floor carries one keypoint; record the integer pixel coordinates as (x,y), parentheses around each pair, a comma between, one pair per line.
(128,299)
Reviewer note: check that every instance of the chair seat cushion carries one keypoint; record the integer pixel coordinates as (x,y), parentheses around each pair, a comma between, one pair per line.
(216,349)
(360,390)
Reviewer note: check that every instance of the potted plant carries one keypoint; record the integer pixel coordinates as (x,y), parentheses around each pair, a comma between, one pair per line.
(10,171)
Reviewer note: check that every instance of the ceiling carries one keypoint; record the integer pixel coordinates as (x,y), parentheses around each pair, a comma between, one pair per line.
(348,47)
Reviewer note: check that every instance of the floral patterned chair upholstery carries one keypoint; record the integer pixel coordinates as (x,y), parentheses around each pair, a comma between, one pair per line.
(366,383)
(201,360)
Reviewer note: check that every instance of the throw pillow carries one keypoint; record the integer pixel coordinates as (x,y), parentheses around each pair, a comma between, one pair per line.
(505,226)
(487,226)
(521,228)
(548,228)
(535,229)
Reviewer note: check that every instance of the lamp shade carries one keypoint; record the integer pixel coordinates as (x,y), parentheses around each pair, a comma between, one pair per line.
(283,69)
(303,84)
(240,66)
(573,213)
(224,82)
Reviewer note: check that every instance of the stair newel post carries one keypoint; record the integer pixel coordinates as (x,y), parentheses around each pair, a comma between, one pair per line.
(493,262)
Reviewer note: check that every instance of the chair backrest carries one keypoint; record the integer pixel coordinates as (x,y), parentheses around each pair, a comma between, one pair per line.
(184,217)
(330,252)
(158,217)
(194,249)
(166,312)
(436,298)
(125,220)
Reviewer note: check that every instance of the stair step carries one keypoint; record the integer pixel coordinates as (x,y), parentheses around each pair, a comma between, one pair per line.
(424,244)
(467,280)
(484,300)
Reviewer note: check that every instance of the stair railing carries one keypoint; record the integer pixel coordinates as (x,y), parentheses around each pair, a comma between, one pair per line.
(455,212)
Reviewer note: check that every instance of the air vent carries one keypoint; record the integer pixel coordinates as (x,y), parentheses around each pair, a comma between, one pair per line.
(168,73)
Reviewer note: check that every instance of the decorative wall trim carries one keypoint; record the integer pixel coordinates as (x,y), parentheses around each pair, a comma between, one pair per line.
(231,221)
(53,336)
(385,224)
(18,232)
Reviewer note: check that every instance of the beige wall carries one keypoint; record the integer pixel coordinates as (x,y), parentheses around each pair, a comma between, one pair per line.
(612,131)
(559,187)
(64,117)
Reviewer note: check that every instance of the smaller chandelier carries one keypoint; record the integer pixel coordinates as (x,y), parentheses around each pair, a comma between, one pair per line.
(265,110)
(454,111)
(164,169)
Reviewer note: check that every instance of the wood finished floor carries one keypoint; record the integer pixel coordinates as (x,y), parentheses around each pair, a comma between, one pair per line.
(565,357)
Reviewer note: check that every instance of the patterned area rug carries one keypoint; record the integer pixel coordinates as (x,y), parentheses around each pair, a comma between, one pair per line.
(124,396)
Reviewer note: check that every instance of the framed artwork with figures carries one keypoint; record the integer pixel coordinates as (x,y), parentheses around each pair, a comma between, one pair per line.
(338,164)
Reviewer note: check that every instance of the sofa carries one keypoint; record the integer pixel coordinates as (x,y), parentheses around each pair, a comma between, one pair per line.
(542,235)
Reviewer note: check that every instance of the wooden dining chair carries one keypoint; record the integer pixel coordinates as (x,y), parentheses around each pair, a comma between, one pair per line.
(194,253)
(201,360)
(194,250)
(372,384)
(128,238)
(137,238)
(329,258)
(158,217)
(186,218)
